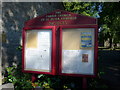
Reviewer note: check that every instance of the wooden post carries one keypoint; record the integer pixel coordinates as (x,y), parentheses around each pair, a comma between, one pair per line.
(34,78)
(84,84)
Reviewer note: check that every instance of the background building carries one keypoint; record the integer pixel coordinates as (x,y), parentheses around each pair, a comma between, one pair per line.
(14,15)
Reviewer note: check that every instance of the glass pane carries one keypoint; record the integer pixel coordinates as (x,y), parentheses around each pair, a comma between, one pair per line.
(38,50)
(78,51)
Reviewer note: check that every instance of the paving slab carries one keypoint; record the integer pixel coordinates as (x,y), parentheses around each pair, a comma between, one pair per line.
(8,86)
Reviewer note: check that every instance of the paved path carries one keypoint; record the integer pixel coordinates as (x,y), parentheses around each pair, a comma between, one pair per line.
(8,85)
(109,62)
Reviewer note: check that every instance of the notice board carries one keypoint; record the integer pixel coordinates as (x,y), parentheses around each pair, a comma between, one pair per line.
(38,50)
(78,51)
(60,43)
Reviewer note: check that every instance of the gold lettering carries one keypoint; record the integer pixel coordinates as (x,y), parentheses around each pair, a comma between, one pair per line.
(58,12)
(58,23)
(58,18)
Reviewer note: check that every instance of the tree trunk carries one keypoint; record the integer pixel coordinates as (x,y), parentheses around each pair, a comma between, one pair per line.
(110,43)
(115,45)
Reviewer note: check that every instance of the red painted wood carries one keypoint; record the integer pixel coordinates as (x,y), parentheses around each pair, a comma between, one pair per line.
(23,44)
(34,78)
(57,49)
(84,83)
(60,19)
(96,51)
(60,52)
(54,51)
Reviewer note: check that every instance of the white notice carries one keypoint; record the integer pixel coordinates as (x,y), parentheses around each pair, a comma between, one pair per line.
(72,62)
(39,59)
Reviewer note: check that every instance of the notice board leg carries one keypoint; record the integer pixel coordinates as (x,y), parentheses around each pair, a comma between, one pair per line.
(34,77)
(84,83)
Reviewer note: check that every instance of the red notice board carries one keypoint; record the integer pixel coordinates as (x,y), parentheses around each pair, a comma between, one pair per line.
(60,43)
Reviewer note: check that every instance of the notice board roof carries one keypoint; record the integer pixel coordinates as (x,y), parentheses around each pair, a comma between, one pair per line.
(61,17)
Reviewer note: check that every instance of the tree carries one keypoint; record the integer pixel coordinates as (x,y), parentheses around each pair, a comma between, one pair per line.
(110,22)
(85,8)
(108,15)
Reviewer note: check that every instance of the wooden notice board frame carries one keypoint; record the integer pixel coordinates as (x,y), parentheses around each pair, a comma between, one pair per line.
(53,49)
(95,50)
(57,21)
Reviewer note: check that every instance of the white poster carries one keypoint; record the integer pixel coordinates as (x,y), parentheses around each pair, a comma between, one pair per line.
(39,59)
(72,62)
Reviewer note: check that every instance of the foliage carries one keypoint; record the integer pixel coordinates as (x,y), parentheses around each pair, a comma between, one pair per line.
(108,15)
(23,80)
(110,22)
(20,80)
(85,8)
(19,47)
(97,82)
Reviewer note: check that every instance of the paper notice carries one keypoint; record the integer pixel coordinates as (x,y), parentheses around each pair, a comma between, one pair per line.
(84,57)
(73,61)
(40,58)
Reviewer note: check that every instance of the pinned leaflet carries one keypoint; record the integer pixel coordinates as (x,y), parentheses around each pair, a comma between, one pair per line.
(86,39)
